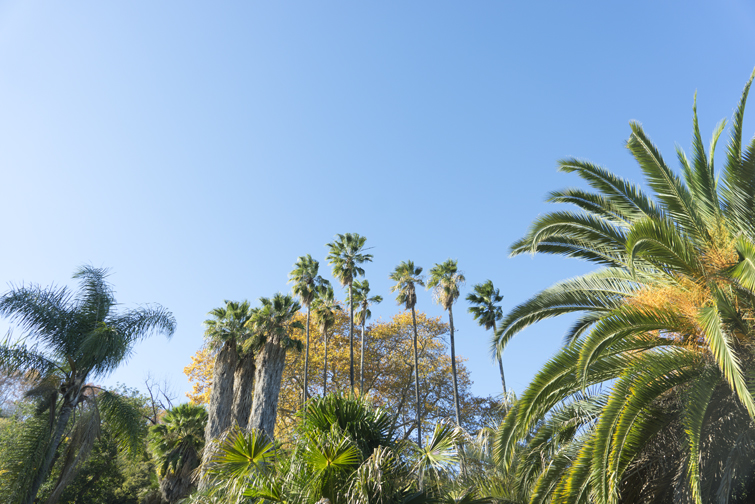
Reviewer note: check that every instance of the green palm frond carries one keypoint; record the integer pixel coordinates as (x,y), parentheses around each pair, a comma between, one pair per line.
(406,276)
(445,281)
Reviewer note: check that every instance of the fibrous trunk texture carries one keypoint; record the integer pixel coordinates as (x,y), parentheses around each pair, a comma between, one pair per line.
(267,383)
(221,398)
(453,366)
(176,486)
(243,387)
(416,381)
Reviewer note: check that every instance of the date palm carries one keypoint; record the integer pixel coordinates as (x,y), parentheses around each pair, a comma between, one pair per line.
(363,301)
(345,256)
(71,339)
(445,281)
(487,313)
(273,321)
(325,308)
(666,328)
(306,282)
(176,445)
(406,277)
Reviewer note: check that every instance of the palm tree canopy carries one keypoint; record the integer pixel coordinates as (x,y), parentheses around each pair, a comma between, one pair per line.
(363,300)
(346,254)
(228,323)
(179,437)
(406,276)
(445,281)
(306,279)
(324,308)
(485,310)
(274,319)
(666,327)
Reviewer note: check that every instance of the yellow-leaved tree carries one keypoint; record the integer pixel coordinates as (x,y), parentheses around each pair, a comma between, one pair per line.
(388,379)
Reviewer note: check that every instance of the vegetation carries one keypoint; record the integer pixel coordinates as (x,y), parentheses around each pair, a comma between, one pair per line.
(487,313)
(651,398)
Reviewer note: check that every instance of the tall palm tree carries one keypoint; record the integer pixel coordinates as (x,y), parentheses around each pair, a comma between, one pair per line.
(274,321)
(487,312)
(306,282)
(345,256)
(406,276)
(445,281)
(325,307)
(71,339)
(176,445)
(363,301)
(667,330)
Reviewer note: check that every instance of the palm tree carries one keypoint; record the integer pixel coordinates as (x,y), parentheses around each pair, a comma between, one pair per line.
(406,277)
(325,307)
(274,322)
(74,338)
(363,300)
(445,281)
(346,254)
(667,329)
(176,446)
(486,312)
(306,282)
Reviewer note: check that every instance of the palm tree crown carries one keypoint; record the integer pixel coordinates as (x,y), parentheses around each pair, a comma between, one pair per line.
(445,281)
(306,279)
(346,254)
(484,308)
(76,337)
(406,276)
(666,330)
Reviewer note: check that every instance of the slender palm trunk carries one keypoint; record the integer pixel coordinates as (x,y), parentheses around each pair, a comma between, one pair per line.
(243,387)
(361,357)
(325,364)
(52,448)
(416,382)
(453,366)
(351,340)
(267,384)
(500,366)
(306,360)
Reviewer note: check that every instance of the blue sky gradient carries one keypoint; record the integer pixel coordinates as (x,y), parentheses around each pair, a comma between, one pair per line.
(199,148)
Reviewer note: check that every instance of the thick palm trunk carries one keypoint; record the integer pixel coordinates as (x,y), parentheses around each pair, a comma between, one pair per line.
(453,366)
(306,360)
(221,398)
(52,448)
(267,383)
(243,387)
(325,365)
(416,382)
(178,485)
(351,340)
(361,359)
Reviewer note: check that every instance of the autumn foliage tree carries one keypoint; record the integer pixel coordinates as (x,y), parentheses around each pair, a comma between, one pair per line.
(388,376)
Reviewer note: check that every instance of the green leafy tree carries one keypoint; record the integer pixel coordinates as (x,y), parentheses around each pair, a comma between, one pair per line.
(445,281)
(273,321)
(666,332)
(363,301)
(345,256)
(326,307)
(485,310)
(71,339)
(406,276)
(176,445)
(306,282)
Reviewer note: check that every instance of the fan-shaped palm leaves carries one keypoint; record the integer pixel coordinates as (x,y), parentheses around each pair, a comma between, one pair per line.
(325,307)
(407,276)
(487,313)
(667,327)
(445,281)
(70,339)
(306,282)
(363,301)
(176,445)
(346,254)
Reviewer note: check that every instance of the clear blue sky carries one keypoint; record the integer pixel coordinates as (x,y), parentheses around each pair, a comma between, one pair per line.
(198,148)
